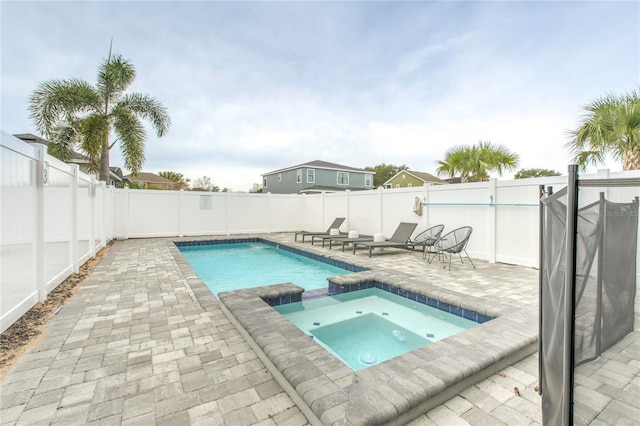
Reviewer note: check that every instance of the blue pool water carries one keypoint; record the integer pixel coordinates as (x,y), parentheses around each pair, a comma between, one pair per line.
(234,266)
(366,327)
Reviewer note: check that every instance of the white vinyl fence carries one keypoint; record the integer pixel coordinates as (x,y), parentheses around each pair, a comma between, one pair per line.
(55,218)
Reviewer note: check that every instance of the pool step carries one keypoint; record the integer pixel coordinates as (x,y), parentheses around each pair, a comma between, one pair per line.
(314,294)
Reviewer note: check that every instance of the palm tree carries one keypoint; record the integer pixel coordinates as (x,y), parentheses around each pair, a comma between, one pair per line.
(477,161)
(74,113)
(611,125)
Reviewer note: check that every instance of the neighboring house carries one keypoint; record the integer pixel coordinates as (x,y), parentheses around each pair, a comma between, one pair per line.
(116,177)
(316,176)
(145,180)
(409,178)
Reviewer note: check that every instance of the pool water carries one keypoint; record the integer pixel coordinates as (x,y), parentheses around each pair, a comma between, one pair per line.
(366,327)
(234,266)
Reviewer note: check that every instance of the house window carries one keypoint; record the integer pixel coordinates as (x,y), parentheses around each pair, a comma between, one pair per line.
(409,185)
(264,182)
(279,177)
(343,178)
(311,176)
(299,176)
(368,181)
(388,186)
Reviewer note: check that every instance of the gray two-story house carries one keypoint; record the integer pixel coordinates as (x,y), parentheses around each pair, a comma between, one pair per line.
(316,176)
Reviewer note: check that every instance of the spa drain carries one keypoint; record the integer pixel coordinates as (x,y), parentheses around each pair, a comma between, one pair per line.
(368,358)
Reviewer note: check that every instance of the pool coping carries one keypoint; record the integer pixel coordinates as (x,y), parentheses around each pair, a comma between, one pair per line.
(393,392)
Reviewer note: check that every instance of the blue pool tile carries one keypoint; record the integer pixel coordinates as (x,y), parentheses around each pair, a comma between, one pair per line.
(316,324)
(433,303)
(444,306)
(470,315)
(402,293)
(430,336)
(358,312)
(483,318)
(421,299)
(385,313)
(455,310)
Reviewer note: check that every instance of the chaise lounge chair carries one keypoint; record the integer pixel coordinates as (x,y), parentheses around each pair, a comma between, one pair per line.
(335,238)
(452,243)
(401,238)
(337,222)
(343,240)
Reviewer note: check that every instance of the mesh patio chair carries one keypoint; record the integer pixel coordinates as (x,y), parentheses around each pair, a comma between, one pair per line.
(455,242)
(428,238)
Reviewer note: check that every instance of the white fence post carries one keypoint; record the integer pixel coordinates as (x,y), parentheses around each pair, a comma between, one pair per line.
(492,220)
(41,181)
(75,169)
(381,197)
(103,225)
(92,212)
(228,199)
(180,215)
(425,201)
(348,192)
(268,212)
(125,213)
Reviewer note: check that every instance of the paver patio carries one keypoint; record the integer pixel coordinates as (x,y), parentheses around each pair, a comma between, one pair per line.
(138,345)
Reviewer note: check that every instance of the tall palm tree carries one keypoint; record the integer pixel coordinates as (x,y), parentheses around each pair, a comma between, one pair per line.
(477,161)
(74,113)
(611,125)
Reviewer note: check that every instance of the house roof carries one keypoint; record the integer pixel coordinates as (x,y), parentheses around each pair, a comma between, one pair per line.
(148,178)
(318,164)
(76,157)
(424,177)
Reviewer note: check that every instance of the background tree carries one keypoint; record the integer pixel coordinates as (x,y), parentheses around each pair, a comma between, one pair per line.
(256,189)
(611,125)
(384,172)
(477,161)
(533,173)
(178,178)
(72,113)
(204,184)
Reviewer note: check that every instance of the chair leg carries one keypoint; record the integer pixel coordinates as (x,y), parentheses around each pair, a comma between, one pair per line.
(474,266)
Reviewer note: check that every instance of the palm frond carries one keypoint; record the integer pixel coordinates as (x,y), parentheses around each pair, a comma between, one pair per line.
(63,140)
(132,138)
(610,125)
(94,131)
(115,74)
(149,108)
(55,100)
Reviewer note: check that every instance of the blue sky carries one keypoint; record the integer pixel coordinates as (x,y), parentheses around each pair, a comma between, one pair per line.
(257,86)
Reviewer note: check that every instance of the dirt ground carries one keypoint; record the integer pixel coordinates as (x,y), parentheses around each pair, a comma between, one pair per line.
(27,331)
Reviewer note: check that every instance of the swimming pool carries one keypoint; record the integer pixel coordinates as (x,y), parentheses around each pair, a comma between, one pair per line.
(366,327)
(238,265)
